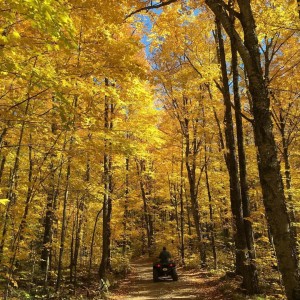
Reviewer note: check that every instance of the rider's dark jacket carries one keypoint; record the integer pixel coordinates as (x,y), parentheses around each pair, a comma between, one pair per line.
(164,256)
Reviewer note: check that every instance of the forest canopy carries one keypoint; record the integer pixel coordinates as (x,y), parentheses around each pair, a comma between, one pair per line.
(131,125)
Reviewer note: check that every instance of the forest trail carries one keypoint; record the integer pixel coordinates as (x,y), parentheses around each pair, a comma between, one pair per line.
(190,285)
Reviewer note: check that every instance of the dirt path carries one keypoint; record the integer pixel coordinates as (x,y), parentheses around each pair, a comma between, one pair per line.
(191,285)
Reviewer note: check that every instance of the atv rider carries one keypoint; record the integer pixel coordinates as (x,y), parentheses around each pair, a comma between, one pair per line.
(164,256)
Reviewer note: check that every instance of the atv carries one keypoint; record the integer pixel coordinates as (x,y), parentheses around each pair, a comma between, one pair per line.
(164,271)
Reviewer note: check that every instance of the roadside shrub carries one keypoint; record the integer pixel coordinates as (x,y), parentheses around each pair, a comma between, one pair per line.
(192,261)
(120,264)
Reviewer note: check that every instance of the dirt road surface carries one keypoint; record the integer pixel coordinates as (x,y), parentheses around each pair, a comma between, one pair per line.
(190,285)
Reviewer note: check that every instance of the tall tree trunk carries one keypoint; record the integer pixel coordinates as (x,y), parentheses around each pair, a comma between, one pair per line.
(2,144)
(177,216)
(3,134)
(147,213)
(108,189)
(225,221)
(3,160)
(19,236)
(79,222)
(182,206)
(106,226)
(211,217)
(52,194)
(190,163)
(251,265)
(93,242)
(242,257)
(281,122)
(48,221)
(173,191)
(125,216)
(64,221)
(11,195)
(287,165)
(72,246)
(66,195)
(269,167)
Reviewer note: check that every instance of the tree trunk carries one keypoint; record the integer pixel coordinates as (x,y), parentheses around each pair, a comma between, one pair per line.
(48,221)
(251,265)
(212,224)
(105,260)
(173,191)
(79,222)
(19,235)
(269,167)
(125,216)
(64,222)
(11,195)
(108,189)
(242,257)
(147,213)
(3,160)
(182,207)
(93,242)
(72,245)
(52,194)
(191,171)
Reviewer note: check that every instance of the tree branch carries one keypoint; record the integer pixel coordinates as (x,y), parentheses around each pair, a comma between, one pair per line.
(231,10)
(242,114)
(157,5)
(28,98)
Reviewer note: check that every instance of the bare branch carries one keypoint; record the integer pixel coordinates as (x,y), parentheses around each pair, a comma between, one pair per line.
(157,5)
(28,98)
(242,114)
